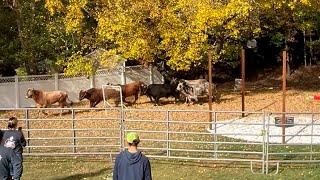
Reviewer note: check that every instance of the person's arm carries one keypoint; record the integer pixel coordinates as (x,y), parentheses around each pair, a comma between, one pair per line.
(1,135)
(16,164)
(147,174)
(23,140)
(115,168)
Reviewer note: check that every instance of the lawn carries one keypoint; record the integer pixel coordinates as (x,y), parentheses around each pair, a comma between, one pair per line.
(94,168)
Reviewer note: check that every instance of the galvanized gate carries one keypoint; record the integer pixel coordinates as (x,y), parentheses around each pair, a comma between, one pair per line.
(174,134)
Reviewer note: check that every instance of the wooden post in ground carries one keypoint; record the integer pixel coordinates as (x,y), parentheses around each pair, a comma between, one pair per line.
(210,82)
(284,84)
(243,76)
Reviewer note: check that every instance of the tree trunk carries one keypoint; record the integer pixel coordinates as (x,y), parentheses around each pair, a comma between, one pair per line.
(310,48)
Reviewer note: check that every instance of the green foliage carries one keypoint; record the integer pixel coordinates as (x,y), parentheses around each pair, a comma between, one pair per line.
(278,39)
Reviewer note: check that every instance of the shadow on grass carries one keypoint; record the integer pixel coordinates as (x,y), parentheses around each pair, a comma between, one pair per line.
(206,164)
(84,175)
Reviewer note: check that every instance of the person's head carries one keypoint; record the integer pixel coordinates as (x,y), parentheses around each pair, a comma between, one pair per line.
(12,123)
(132,139)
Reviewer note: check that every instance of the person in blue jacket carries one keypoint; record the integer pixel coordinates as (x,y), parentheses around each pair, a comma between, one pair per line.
(131,164)
(9,160)
(13,138)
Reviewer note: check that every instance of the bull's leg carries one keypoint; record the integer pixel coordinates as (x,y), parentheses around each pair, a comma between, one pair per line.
(187,100)
(136,96)
(150,97)
(68,105)
(70,102)
(156,99)
(124,100)
(38,106)
(96,102)
(43,110)
(61,105)
(217,97)
(117,102)
(176,98)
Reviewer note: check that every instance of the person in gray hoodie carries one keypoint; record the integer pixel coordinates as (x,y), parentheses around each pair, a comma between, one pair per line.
(13,138)
(131,164)
(9,160)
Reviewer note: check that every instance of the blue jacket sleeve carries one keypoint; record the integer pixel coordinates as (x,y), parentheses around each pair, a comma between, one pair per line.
(1,135)
(147,174)
(115,168)
(23,140)
(17,165)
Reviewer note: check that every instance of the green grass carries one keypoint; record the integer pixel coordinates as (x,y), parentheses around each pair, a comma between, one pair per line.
(66,168)
(93,168)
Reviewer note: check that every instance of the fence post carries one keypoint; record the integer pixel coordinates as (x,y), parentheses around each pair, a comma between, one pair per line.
(215,135)
(73,132)
(92,81)
(267,145)
(151,74)
(56,81)
(311,145)
(168,135)
(17,91)
(123,73)
(122,130)
(264,134)
(26,114)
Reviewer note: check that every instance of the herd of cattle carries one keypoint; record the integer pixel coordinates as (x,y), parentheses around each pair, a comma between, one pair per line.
(188,90)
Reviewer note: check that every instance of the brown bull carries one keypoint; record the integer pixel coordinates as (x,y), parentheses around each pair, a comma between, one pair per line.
(132,89)
(44,99)
(95,95)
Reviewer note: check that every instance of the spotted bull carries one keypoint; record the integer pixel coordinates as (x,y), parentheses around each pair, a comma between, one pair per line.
(192,89)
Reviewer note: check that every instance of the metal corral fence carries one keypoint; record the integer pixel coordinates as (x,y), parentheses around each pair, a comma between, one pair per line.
(15,88)
(175,134)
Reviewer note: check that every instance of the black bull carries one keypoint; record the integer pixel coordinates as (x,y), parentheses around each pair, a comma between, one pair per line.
(157,91)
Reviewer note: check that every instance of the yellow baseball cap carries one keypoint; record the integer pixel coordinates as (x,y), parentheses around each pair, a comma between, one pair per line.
(132,136)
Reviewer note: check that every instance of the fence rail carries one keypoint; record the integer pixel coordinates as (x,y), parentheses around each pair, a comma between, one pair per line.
(175,134)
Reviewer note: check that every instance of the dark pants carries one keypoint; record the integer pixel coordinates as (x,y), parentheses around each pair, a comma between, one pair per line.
(20,158)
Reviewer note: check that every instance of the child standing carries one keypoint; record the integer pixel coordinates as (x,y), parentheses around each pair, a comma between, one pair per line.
(13,138)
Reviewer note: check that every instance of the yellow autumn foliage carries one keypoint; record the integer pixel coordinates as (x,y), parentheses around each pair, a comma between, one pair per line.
(181,31)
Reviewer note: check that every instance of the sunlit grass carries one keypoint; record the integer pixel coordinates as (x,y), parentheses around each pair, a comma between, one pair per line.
(101,168)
